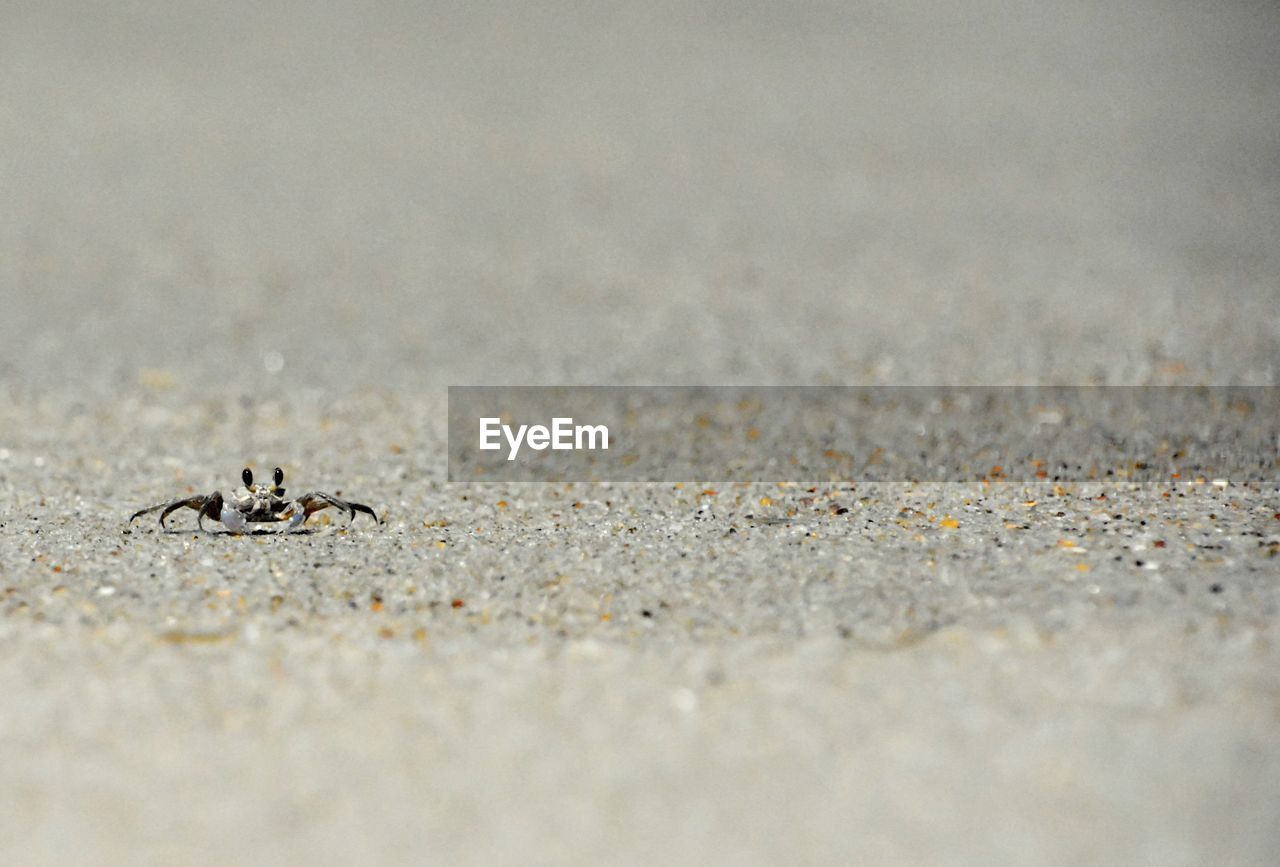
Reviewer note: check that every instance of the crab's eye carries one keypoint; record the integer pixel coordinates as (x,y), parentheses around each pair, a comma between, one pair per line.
(247,475)
(278,476)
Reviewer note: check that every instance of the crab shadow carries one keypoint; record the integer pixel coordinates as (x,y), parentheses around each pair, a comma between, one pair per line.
(307,531)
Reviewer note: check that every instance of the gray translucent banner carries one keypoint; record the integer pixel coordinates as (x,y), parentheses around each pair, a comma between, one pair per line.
(857,433)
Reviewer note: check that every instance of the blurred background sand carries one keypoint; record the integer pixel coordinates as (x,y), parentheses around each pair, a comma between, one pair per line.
(409,196)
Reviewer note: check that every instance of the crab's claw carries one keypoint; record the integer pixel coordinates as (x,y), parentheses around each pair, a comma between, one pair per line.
(233,519)
(313,502)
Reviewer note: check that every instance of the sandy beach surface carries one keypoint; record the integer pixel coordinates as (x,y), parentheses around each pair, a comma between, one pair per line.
(269,234)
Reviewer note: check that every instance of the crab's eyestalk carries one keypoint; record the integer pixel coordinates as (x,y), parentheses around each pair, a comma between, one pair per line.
(247,476)
(278,476)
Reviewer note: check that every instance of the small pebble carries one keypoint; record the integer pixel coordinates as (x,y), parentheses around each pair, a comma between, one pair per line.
(684,700)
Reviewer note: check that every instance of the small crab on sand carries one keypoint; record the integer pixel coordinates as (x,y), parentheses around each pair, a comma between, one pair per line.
(256,504)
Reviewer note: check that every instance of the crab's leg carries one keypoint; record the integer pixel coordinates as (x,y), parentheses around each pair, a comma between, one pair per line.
(198,503)
(213,508)
(317,500)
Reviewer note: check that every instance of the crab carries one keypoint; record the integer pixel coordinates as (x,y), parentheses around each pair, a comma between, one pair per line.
(256,504)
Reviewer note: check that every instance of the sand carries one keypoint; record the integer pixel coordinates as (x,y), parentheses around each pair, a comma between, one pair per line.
(267,234)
